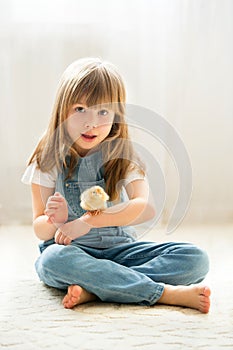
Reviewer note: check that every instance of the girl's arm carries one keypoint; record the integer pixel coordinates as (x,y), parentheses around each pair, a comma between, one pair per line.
(42,228)
(135,211)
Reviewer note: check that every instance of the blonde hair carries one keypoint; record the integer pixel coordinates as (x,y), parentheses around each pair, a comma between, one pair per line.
(96,82)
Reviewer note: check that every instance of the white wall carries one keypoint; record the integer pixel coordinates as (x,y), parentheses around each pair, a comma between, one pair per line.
(176,57)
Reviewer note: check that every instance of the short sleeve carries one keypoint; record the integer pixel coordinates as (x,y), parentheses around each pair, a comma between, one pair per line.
(34,175)
(132,176)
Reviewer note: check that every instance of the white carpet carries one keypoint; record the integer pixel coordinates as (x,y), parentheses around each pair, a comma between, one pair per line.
(32,316)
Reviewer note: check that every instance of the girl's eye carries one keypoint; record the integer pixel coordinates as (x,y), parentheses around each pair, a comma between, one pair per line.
(80,109)
(103,112)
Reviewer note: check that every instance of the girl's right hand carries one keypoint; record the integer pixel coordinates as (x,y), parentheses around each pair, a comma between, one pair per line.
(60,238)
(56,209)
(72,230)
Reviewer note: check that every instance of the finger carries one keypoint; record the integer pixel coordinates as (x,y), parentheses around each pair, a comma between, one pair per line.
(61,240)
(60,237)
(57,194)
(50,220)
(55,200)
(67,241)
(49,212)
(51,206)
(57,236)
(64,240)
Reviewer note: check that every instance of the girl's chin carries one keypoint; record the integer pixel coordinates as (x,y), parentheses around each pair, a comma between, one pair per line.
(83,149)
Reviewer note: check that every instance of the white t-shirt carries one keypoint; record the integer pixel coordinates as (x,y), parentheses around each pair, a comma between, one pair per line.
(34,175)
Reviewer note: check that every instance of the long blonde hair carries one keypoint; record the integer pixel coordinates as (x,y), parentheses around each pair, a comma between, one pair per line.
(96,82)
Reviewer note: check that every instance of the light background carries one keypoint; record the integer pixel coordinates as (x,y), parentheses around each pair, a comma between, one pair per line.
(176,57)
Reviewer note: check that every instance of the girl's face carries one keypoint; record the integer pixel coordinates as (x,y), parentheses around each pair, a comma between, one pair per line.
(88,127)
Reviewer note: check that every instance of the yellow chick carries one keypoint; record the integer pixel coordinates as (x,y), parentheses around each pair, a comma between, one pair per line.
(94,200)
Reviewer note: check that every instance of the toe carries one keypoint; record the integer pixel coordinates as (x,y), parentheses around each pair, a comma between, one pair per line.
(207,291)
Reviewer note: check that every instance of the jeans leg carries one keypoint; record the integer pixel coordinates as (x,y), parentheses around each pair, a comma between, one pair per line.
(60,266)
(169,263)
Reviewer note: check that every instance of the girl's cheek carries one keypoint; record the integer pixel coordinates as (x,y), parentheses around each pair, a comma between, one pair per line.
(106,129)
(73,127)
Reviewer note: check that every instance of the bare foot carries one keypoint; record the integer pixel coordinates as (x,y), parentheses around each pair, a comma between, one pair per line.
(76,295)
(193,296)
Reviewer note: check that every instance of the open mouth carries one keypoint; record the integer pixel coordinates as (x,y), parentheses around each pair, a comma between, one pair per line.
(88,137)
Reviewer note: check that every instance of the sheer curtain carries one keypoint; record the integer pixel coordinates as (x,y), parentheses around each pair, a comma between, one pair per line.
(176,57)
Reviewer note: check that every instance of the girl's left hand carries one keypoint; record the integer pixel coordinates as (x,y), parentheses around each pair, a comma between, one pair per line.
(71,230)
(56,209)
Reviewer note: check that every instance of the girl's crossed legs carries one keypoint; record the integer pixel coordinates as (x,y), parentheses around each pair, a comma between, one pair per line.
(140,272)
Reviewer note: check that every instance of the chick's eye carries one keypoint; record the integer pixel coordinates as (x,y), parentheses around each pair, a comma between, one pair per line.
(103,112)
(80,109)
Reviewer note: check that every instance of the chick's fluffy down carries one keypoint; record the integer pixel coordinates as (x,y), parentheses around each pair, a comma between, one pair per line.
(94,198)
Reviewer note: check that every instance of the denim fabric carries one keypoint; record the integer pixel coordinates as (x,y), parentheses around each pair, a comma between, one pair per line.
(89,172)
(126,273)
(109,262)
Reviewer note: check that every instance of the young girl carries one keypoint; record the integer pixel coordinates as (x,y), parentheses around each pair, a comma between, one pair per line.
(98,257)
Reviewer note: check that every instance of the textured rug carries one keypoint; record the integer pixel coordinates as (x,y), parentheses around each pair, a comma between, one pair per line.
(32,316)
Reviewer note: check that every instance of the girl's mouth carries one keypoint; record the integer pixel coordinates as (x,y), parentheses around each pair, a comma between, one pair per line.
(87,137)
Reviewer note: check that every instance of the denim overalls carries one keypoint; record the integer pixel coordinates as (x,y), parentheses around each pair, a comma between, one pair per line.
(88,173)
(109,262)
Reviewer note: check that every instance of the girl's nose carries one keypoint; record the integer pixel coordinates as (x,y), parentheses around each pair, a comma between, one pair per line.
(90,125)
(92,120)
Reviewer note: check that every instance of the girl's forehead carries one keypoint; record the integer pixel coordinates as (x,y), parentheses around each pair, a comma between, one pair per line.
(101,104)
